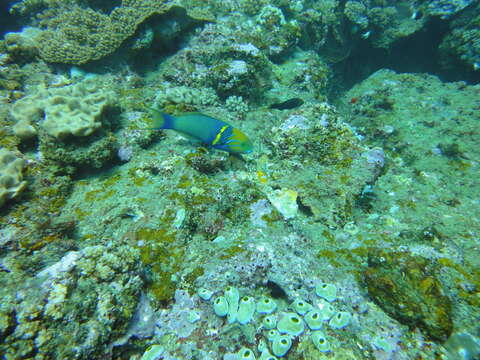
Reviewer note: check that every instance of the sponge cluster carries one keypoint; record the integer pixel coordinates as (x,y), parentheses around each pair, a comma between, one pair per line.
(280,329)
(70,110)
(11,183)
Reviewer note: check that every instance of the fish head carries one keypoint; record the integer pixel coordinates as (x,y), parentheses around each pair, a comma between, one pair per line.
(234,141)
(239,143)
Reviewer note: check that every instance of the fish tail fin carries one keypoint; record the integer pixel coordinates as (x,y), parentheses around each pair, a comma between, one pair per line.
(161,120)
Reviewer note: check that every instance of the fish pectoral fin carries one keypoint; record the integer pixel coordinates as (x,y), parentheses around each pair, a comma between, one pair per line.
(233,141)
(191,138)
(203,149)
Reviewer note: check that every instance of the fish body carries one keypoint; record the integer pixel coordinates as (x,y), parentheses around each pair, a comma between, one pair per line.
(210,131)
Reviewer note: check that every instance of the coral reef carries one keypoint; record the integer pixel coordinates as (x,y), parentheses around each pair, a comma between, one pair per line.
(389,24)
(72,122)
(252,7)
(356,12)
(185,96)
(215,60)
(462,43)
(94,152)
(446,8)
(273,33)
(381,112)
(346,233)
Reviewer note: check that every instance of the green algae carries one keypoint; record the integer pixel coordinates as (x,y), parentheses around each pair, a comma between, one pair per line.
(204,163)
(158,251)
(189,279)
(408,289)
(7,140)
(464,272)
(231,252)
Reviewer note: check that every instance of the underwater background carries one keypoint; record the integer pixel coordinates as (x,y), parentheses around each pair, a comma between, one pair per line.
(328,206)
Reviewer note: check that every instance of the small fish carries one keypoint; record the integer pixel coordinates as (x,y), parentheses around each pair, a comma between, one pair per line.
(288,104)
(210,131)
(366,34)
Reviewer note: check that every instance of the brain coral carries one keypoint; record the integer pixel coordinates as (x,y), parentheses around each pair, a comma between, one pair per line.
(11,183)
(70,110)
(77,35)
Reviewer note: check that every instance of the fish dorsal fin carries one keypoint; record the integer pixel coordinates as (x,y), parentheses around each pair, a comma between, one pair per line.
(196,113)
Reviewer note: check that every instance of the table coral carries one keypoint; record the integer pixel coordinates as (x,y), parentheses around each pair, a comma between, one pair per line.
(76,35)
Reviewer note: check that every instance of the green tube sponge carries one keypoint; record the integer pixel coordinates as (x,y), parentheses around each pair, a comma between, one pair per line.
(269,322)
(262,345)
(220,306)
(193,316)
(384,344)
(326,310)
(301,306)
(153,352)
(204,294)
(291,324)
(266,305)
(272,334)
(266,355)
(246,309)
(281,344)
(245,354)
(321,342)
(326,291)
(314,319)
(233,296)
(340,320)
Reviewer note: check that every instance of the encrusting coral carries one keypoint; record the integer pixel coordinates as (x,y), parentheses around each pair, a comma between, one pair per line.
(70,110)
(11,183)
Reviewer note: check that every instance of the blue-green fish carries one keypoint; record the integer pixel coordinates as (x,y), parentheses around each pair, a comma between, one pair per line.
(210,131)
